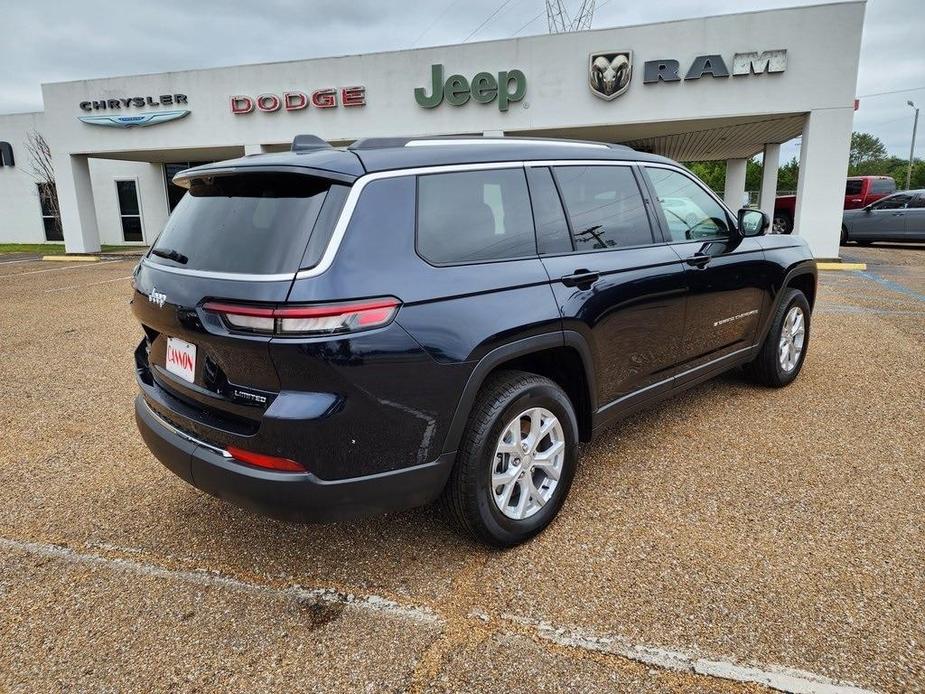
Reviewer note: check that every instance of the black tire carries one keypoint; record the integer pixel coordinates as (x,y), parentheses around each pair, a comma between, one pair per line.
(766,368)
(468,497)
(782,223)
(844,237)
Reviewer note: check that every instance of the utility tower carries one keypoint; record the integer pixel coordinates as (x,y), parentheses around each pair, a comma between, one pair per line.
(559,21)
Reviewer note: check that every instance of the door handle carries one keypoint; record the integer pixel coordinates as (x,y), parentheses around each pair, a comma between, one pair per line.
(580,278)
(699,260)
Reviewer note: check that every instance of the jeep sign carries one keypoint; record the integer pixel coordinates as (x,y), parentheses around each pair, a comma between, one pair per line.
(509,86)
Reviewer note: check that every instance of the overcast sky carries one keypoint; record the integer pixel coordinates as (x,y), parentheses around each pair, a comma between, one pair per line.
(49,41)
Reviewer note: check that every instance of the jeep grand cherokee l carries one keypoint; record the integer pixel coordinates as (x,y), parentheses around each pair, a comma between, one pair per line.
(330,333)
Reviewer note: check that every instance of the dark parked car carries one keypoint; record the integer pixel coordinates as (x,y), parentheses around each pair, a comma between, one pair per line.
(330,333)
(899,217)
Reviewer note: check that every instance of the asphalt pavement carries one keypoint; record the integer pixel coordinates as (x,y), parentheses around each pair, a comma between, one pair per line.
(731,538)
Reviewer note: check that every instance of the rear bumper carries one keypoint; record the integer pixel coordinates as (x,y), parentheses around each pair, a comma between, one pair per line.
(286,495)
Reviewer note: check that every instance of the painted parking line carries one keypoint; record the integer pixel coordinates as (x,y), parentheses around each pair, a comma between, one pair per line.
(677,660)
(61,269)
(894,286)
(22,260)
(91,284)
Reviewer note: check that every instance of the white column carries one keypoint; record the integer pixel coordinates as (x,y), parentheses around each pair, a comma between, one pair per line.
(734,192)
(769,166)
(821,186)
(75,201)
(254,149)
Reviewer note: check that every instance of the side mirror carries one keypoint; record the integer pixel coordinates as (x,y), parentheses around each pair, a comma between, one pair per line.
(753,222)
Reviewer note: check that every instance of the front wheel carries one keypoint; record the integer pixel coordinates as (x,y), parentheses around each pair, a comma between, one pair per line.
(844,237)
(516,461)
(784,349)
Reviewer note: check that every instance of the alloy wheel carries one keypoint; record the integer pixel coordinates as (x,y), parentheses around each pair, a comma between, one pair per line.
(527,463)
(792,336)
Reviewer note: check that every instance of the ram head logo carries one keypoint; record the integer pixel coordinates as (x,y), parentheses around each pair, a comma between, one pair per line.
(609,73)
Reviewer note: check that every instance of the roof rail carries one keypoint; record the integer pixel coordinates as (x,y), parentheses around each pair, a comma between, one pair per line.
(306,143)
(380,142)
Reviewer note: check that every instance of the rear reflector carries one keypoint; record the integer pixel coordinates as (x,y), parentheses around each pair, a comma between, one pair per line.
(269,462)
(318,319)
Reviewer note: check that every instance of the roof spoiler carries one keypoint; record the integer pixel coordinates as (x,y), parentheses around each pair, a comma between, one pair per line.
(307,143)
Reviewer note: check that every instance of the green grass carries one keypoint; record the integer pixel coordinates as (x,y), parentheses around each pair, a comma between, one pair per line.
(54,248)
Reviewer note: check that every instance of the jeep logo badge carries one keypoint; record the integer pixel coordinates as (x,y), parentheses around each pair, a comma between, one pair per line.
(609,73)
(156,297)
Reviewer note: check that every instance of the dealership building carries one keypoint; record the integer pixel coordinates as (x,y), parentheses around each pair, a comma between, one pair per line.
(718,88)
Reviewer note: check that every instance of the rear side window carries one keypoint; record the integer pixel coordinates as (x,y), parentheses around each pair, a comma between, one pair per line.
(605,207)
(854,187)
(249,223)
(472,216)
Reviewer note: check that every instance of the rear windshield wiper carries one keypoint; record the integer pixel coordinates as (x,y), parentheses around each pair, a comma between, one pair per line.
(170,254)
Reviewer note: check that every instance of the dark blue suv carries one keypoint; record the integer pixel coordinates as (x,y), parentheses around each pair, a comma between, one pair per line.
(332,333)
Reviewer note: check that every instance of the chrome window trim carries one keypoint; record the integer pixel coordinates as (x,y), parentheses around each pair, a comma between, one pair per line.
(356,190)
(343,221)
(581,162)
(183,435)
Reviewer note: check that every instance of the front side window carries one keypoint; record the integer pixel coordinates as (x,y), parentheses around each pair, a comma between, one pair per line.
(918,201)
(882,185)
(473,216)
(605,207)
(691,212)
(894,202)
(129,210)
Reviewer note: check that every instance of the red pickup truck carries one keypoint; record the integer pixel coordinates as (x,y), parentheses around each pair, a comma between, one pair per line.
(860,191)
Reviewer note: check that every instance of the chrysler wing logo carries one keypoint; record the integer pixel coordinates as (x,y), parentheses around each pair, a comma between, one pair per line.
(156,297)
(136,121)
(609,73)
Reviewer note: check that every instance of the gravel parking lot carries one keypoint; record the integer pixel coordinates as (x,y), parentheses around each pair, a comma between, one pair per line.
(731,537)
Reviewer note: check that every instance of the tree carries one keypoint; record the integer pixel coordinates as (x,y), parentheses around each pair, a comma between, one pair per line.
(865,149)
(43,173)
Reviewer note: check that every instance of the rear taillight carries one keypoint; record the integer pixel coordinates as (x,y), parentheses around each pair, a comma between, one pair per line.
(268,462)
(317,319)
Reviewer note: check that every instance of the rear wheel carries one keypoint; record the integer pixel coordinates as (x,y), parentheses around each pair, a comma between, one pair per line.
(516,461)
(844,237)
(784,349)
(782,224)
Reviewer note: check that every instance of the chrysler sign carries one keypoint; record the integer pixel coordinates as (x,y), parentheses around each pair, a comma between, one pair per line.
(113,117)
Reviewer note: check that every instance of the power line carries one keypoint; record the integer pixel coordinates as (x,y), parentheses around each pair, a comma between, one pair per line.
(895,91)
(487,19)
(436,19)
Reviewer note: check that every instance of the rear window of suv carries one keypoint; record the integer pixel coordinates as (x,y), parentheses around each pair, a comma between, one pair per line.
(247,223)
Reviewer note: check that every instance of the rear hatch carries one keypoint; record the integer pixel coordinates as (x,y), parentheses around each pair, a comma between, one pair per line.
(234,239)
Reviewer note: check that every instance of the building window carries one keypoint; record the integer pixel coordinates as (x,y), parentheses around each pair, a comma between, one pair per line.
(51,219)
(129,210)
(174,192)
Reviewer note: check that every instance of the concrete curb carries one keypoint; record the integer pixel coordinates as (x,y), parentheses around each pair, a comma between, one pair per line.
(841,266)
(72,258)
